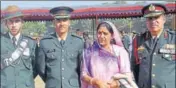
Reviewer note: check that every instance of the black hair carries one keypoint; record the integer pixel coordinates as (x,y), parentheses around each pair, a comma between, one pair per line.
(78,29)
(109,28)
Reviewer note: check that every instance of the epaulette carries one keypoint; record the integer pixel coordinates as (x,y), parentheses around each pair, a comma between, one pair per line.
(74,35)
(47,36)
(28,37)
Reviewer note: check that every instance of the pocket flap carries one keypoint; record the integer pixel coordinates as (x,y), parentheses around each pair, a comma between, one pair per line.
(51,55)
(27,61)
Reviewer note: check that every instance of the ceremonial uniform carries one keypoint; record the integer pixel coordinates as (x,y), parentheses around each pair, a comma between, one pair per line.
(21,72)
(59,59)
(153,59)
(18,53)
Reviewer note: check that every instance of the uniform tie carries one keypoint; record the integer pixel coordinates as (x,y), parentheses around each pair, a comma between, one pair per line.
(154,41)
(14,41)
(62,42)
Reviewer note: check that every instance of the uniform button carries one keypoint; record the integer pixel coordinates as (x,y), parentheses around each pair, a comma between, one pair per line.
(62,50)
(153,75)
(154,53)
(62,59)
(153,86)
(63,78)
(154,64)
(62,69)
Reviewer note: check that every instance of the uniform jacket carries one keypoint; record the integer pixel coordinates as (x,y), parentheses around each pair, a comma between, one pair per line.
(21,73)
(59,66)
(156,67)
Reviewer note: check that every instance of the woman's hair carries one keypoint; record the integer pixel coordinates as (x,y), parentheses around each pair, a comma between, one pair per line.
(109,28)
(104,24)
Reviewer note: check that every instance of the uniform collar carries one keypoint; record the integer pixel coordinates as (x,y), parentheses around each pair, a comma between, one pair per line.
(60,38)
(17,36)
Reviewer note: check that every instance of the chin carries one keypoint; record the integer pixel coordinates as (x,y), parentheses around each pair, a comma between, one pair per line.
(154,30)
(14,33)
(102,44)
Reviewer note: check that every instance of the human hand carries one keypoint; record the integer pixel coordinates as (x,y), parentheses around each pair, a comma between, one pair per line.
(114,83)
(100,84)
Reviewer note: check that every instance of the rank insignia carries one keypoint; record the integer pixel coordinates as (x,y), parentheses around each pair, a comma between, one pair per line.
(141,48)
(168,49)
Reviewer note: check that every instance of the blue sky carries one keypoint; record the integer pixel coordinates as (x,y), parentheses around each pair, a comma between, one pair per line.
(40,4)
(34,4)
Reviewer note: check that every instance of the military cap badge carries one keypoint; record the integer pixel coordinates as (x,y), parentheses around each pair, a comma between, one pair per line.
(151,8)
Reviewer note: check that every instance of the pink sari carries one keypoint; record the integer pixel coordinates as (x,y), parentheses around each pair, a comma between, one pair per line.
(100,64)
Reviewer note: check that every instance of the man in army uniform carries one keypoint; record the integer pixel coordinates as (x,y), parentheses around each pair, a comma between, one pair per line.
(60,53)
(125,40)
(17,53)
(153,60)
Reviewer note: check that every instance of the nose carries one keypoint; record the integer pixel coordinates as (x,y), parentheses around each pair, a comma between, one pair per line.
(13,24)
(61,22)
(101,35)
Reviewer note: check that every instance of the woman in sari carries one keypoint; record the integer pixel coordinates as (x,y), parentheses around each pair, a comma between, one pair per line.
(106,61)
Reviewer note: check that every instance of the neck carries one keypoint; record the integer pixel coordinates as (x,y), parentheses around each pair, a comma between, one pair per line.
(62,35)
(156,33)
(107,47)
(14,35)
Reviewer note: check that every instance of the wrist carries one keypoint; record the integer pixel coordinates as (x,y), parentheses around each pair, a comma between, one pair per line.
(93,81)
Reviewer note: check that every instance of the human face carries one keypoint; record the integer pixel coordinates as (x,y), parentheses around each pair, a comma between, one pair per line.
(62,25)
(104,36)
(14,25)
(155,24)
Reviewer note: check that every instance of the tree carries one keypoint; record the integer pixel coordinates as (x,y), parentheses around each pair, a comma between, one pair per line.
(34,28)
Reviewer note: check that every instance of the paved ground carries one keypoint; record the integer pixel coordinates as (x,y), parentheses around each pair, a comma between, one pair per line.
(39,83)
